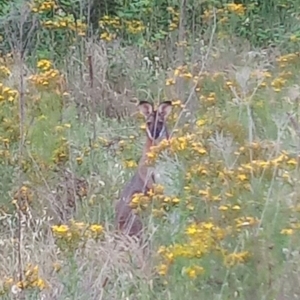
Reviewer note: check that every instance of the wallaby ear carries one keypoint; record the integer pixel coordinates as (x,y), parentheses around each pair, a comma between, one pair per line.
(145,108)
(165,108)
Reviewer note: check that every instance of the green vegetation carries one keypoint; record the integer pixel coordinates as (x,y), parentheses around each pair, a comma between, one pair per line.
(222,221)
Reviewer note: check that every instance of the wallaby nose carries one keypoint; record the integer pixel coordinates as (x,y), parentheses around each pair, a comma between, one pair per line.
(157,131)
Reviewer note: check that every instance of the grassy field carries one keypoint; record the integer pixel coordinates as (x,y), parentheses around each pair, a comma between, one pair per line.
(222,221)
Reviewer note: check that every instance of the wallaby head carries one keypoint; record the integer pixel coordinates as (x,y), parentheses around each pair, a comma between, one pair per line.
(155,119)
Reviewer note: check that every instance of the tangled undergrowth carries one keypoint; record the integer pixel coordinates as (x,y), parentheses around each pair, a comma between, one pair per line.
(223,220)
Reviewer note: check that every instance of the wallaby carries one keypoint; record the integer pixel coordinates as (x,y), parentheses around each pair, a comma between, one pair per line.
(142,181)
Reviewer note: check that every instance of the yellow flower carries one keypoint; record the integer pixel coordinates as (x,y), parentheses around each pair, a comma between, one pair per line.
(238,9)
(130,164)
(44,64)
(79,160)
(161,250)
(294,38)
(4,71)
(170,9)
(201,122)
(223,208)
(175,200)
(170,81)
(158,189)
(208,225)
(292,162)
(176,103)
(191,230)
(245,221)
(236,207)
(96,228)
(186,75)
(190,207)
(162,269)
(193,272)
(40,283)
(61,229)
(136,200)
(242,177)
(287,231)
(236,258)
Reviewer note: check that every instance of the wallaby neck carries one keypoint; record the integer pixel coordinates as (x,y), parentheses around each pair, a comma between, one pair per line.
(146,172)
(148,144)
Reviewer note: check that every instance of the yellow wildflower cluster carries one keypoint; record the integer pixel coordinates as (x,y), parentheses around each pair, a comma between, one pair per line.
(294,38)
(4,72)
(245,222)
(41,6)
(202,239)
(75,232)
(278,83)
(61,153)
(159,202)
(223,14)
(193,272)
(134,26)
(47,77)
(66,23)
(181,72)
(112,25)
(294,227)
(130,164)
(208,14)
(235,258)
(23,198)
(58,21)
(238,9)
(5,155)
(10,127)
(44,65)
(174,22)
(287,231)
(177,145)
(191,75)
(7,94)
(110,21)
(85,151)
(210,99)
(286,59)
(226,180)
(31,280)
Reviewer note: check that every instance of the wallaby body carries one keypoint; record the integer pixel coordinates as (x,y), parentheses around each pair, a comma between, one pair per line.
(142,181)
